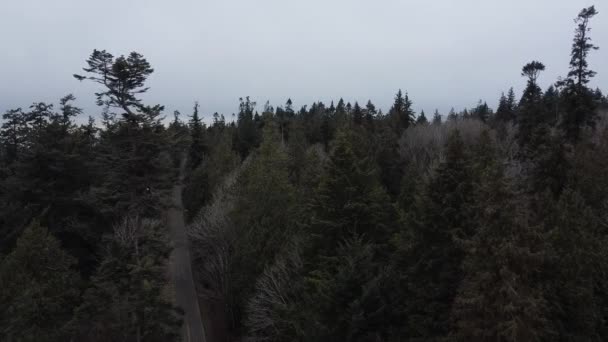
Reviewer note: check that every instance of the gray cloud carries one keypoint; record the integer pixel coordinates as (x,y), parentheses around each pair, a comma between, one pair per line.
(444,53)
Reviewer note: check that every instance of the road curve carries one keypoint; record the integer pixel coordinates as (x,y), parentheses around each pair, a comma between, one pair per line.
(181,267)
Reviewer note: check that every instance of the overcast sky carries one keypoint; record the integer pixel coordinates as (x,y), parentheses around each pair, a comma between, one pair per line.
(445,53)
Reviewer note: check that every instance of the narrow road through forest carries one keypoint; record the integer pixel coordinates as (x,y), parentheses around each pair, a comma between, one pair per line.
(181,267)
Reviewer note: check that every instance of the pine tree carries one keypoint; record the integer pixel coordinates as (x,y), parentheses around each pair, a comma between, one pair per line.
(197,135)
(247,135)
(357,114)
(465,114)
(351,220)
(350,199)
(263,216)
(401,112)
(543,154)
(133,155)
(346,297)
(50,171)
(452,116)
(579,108)
(442,215)
(179,137)
(436,118)
(421,120)
(332,108)
(341,108)
(506,107)
(370,114)
(530,114)
(39,115)
(130,149)
(551,100)
(126,299)
(284,117)
(410,188)
(500,297)
(388,159)
(40,289)
(577,273)
(12,134)
(124,78)
(482,112)
(511,103)
(502,108)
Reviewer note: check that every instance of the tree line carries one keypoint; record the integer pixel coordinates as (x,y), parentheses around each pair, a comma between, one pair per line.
(325,223)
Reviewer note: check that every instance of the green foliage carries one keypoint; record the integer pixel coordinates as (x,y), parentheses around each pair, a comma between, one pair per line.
(506,107)
(345,295)
(135,162)
(327,223)
(40,288)
(203,180)
(351,220)
(198,146)
(370,114)
(127,299)
(388,159)
(578,104)
(263,217)
(349,200)
(531,115)
(422,120)
(482,112)
(247,135)
(124,78)
(357,114)
(401,112)
(46,175)
(442,215)
(500,297)
(578,270)
(436,118)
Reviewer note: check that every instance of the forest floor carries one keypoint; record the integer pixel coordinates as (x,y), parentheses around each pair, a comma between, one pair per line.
(181,267)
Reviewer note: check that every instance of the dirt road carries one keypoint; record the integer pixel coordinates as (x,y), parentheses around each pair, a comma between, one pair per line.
(181,269)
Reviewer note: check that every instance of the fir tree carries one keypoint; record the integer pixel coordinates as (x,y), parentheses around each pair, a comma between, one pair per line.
(482,112)
(350,200)
(247,135)
(123,79)
(452,116)
(421,120)
(39,288)
(341,108)
(442,216)
(500,297)
(357,114)
(436,118)
(579,108)
(577,272)
(530,114)
(263,215)
(12,134)
(551,99)
(350,224)
(370,113)
(126,299)
(506,107)
(197,136)
(401,112)
(501,110)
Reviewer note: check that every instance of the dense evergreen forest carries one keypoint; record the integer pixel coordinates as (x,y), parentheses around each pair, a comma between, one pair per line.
(329,222)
